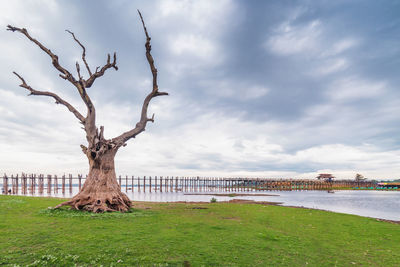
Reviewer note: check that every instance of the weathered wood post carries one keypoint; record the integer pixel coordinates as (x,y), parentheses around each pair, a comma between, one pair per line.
(30,190)
(5,184)
(119,182)
(133,184)
(48,184)
(30,184)
(150,183)
(155,181)
(161,184)
(33,183)
(41,183)
(186,184)
(138,179)
(126,183)
(63,184)
(12,184)
(55,184)
(144,184)
(24,184)
(70,183)
(16,184)
(80,181)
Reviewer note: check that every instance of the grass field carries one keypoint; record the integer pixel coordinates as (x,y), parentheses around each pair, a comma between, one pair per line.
(178,234)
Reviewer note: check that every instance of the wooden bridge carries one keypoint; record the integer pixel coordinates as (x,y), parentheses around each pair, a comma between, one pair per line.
(53,185)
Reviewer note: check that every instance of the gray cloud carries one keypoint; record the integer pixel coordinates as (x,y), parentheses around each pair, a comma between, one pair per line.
(256,88)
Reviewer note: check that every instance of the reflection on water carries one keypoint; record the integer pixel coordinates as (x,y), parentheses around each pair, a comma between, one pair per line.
(376,204)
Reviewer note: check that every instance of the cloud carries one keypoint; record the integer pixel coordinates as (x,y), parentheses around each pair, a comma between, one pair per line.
(198,15)
(341,46)
(238,90)
(301,91)
(290,39)
(351,88)
(332,66)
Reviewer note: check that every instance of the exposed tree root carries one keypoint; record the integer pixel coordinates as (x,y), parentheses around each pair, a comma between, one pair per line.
(101,202)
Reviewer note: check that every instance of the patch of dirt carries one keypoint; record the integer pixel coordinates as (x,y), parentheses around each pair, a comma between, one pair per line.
(139,205)
(389,221)
(247,201)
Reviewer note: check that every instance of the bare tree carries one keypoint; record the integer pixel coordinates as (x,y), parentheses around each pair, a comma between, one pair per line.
(101,191)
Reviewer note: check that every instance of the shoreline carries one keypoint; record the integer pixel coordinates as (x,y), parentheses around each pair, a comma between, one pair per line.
(230,195)
(232,201)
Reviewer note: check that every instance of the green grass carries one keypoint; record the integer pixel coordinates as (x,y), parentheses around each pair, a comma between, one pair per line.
(173,234)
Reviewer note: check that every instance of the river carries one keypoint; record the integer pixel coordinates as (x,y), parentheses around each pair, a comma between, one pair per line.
(368,203)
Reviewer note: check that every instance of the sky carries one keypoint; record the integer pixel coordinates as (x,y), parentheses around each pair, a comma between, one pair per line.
(283,89)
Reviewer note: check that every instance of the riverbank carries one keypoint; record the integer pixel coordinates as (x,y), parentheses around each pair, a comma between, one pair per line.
(194,234)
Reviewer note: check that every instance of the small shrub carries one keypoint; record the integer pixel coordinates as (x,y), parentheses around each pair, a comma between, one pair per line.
(213,200)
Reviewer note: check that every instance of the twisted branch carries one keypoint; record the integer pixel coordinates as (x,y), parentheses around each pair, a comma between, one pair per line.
(141,125)
(58,99)
(93,76)
(65,74)
(97,74)
(83,52)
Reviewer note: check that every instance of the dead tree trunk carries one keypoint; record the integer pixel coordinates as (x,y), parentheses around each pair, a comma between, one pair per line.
(100,191)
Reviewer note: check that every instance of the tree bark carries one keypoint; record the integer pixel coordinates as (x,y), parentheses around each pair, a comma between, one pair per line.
(101,191)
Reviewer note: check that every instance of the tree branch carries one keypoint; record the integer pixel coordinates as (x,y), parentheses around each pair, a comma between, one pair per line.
(99,73)
(58,99)
(83,52)
(65,74)
(141,125)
